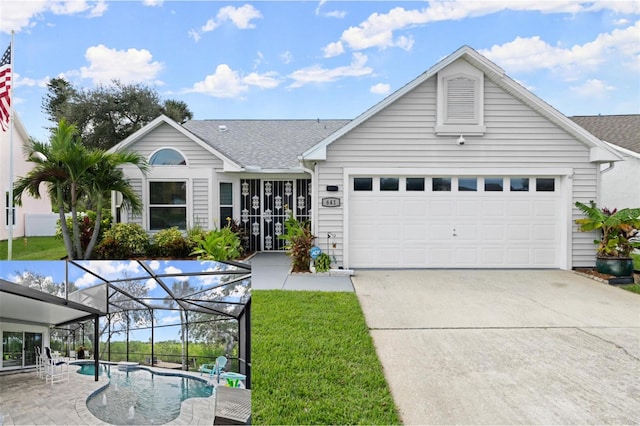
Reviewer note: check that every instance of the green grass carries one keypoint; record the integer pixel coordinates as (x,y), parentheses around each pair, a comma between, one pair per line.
(34,248)
(315,362)
(636,261)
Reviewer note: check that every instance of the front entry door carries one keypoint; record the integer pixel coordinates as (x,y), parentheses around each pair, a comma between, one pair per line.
(265,206)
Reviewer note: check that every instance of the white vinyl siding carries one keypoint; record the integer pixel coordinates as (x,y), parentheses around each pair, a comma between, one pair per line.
(198,173)
(402,135)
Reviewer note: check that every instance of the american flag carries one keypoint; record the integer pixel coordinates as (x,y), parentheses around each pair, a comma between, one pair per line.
(5,87)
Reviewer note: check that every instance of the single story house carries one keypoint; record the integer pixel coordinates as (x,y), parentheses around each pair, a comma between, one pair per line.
(621,180)
(35,216)
(461,168)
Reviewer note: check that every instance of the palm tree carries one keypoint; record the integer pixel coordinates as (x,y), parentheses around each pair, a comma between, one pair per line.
(69,170)
(107,176)
(179,290)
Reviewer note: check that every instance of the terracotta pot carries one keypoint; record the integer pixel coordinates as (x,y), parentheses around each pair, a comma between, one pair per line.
(616,266)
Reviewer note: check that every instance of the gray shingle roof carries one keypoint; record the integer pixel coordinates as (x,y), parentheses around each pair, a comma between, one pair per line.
(620,130)
(267,144)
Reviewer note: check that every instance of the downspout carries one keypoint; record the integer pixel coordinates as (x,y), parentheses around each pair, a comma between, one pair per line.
(314,190)
(599,183)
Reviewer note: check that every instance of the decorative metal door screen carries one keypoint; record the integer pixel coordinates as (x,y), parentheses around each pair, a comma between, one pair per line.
(265,206)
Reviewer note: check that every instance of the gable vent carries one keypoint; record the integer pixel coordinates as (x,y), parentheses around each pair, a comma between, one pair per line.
(461,99)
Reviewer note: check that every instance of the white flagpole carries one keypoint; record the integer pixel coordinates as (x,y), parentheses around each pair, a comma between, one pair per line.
(11,215)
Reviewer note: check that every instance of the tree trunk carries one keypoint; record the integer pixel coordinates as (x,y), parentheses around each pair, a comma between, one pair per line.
(63,226)
(96,229)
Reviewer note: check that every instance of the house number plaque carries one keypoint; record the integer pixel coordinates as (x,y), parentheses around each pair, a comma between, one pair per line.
(331,202)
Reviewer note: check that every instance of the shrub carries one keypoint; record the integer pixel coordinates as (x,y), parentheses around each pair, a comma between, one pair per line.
(171,243)
(86,224)
(323,263)
(123,241)
(219,244)
(299,242)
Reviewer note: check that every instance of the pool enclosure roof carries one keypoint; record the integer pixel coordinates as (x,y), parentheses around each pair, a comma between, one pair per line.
(62,292)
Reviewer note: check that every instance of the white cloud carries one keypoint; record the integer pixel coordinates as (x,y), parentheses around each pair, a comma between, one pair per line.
(380,89)
(172,270)
(240,17)
(22,15)
(150,284)
(107,270)
(532,53)
(317,74)
(286,57)
(225,83)
(593,89)
(128,66)
(333,49)
(264,81)
(378,30)
(169,319)
(152,2)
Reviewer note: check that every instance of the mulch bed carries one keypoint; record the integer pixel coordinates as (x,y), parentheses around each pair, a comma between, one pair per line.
(606,278)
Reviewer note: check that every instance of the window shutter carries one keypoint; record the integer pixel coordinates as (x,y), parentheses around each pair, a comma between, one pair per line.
(461,100)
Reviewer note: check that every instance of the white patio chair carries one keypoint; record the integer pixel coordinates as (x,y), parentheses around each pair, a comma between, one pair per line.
(55,370)
(39,362)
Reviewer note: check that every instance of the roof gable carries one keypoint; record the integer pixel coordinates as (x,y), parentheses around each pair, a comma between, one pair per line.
(229,164)
(599,151)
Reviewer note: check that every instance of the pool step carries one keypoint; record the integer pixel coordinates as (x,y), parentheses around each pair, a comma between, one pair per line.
(126,366)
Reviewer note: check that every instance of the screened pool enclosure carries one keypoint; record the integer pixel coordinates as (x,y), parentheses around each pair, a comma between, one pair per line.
(176,314)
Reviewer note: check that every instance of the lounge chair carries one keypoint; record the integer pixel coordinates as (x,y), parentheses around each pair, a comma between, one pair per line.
(55,370)
(215,368)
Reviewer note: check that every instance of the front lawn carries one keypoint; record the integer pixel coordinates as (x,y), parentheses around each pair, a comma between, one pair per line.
(34,248)
(314,361)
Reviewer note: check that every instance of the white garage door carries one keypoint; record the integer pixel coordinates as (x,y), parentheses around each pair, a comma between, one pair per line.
(454,222)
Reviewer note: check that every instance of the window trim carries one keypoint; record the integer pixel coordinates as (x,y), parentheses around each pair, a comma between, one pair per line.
(169,148)
(184,205)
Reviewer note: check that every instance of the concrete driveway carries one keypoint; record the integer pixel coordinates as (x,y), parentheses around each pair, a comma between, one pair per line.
(505,347)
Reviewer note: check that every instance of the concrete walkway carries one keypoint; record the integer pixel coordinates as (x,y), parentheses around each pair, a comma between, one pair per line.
(505,347)
(270,271)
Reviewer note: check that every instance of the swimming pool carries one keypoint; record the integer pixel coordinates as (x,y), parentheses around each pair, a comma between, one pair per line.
(140,396)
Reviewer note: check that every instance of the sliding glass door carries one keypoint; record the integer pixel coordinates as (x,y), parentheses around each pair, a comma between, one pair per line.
(18,348)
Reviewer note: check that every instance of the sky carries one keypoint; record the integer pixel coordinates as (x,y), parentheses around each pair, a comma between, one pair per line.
(318,59)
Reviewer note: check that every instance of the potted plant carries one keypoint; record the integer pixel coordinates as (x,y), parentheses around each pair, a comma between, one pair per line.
(617,227)
(299,241)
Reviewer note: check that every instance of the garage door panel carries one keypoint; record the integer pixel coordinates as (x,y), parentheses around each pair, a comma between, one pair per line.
(493,209)
(545,208)
(493,233)
(467,232)
(521,208)
(544,232)
(467,208)
(441,208)
(518,232)
(492,256)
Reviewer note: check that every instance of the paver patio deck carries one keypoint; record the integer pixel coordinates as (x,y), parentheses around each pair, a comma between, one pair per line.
(25,399)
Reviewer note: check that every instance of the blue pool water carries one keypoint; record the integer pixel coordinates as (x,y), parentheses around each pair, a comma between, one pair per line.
(155,398)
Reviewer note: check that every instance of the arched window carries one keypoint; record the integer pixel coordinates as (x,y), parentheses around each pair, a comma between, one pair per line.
(167,157)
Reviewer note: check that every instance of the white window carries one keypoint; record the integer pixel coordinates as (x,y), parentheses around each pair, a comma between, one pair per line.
(167,157)
(167,205)
(226,203)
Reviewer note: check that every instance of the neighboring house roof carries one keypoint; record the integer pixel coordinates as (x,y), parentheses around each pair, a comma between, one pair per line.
(620,130)
(263,144)
(599,151)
